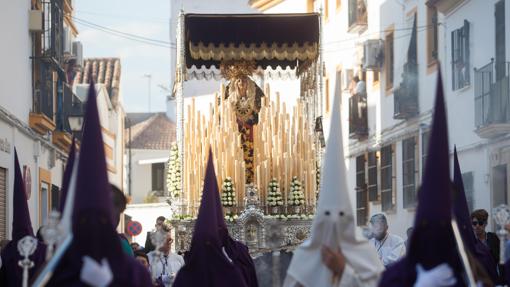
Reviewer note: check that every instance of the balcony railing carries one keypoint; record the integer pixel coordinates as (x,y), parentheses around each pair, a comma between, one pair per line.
(43,91)
(358,120)
(492,97)
(358,16)
(406,95)
(52,44)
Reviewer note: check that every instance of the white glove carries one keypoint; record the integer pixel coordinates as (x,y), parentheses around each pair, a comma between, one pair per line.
(94,274)
(441,275)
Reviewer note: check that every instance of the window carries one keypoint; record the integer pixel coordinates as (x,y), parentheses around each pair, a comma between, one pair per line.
(338,4)
(467,179)
(44,201)
(373,194)
(387,200)
(432,44)
(460,57)
(3,203)
(424,150)
(361,192)
(388,62)
(409,172)
(55,197)
(44,195)
(158,174)
(499,14)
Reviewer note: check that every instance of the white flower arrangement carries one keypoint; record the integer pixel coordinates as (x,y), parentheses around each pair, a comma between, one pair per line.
(274,196)
(173,180)
(296,196)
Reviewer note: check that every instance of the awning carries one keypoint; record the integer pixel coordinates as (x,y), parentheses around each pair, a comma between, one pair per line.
(271,40)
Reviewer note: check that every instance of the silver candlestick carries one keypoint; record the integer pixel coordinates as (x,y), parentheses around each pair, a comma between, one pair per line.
(501,216)
(26,247)
(51,233)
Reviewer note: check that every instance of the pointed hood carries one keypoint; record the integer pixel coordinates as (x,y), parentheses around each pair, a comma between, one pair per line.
(67,175)
(21,227)
(432,241)
(206,226)
(461,211)
(93,189)
(21,224)
(436,179)
(460,207)
(334,224)
(93,230)
(236,250)
(207,265)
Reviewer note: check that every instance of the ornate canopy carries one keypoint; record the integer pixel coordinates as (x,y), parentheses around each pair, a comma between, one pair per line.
(276,42)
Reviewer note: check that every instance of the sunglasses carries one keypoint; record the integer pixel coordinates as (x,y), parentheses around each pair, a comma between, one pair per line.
(479,223)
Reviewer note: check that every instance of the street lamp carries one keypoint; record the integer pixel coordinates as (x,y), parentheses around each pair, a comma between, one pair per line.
(75,123)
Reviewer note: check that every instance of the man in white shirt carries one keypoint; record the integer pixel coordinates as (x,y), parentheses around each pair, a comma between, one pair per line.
(164,264)
(389,247)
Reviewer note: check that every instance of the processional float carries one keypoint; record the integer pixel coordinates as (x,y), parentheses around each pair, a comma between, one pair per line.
(266,154)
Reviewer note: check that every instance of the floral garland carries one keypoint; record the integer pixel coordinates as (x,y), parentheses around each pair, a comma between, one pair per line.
(274,198)
(296,196)
(173,180)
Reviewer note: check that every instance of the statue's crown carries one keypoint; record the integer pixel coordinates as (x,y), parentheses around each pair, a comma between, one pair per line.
(237,68)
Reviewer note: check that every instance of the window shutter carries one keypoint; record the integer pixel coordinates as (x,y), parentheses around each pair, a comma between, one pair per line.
(467,75)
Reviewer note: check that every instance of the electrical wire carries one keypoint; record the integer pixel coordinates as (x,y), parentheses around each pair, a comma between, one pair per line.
(124,35)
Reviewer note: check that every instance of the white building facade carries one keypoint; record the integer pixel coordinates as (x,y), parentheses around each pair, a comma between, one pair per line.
(34,99)
(386,145)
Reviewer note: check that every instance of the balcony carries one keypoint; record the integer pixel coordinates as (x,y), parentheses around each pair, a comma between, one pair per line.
(62,140)
(492,100)
(41,117)
(51,44)
(405,97)
(358,16)
(358,120)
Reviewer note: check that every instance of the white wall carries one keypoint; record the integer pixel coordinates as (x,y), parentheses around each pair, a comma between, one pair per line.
(142,173)
(339,53)
(15,78)
(16,103)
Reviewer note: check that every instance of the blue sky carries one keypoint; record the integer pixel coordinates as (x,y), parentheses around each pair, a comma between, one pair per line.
(148,19)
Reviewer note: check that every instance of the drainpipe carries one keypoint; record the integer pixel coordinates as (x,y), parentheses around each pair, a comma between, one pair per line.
(130,171)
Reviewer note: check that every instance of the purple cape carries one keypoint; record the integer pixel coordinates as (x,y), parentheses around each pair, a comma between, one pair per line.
(432,241)
(94,233)
(10,272)
(206,265)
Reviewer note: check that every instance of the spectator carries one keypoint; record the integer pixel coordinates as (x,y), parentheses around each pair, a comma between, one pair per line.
(119,205)
(136,247)
(164,264)
(479,219)
(390,247)
(143,259)
(149,246)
